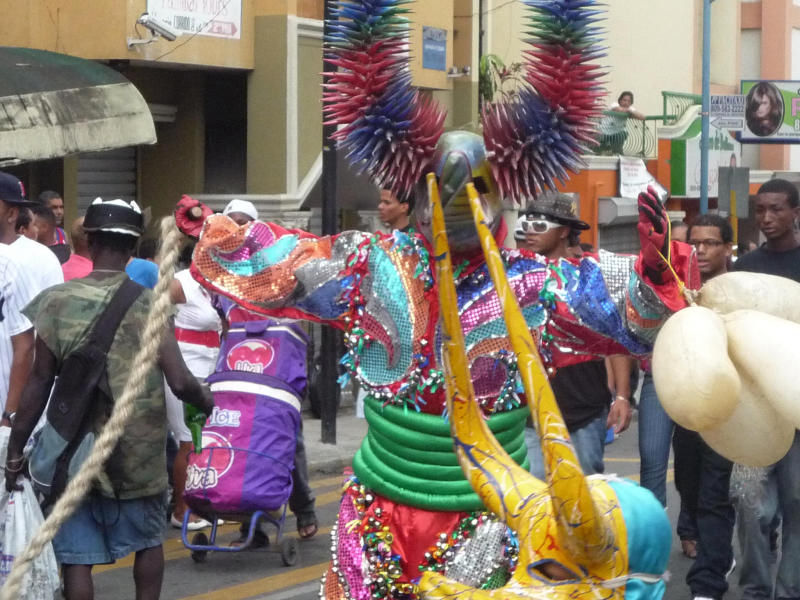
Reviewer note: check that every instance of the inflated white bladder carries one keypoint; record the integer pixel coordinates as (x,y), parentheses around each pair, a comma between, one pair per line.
(728,367)
(696,382)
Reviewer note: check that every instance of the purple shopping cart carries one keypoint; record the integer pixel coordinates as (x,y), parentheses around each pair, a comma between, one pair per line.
(244,471)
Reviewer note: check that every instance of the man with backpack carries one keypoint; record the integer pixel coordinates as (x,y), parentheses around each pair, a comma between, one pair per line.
(125,511)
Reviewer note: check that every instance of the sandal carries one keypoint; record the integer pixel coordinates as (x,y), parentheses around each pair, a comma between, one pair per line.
(689,548)
(307,525)
(260,540)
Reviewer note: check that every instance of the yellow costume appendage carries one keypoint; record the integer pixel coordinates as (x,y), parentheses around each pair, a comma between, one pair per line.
(571,530)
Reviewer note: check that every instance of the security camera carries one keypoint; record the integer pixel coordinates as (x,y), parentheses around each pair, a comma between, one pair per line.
(158,27)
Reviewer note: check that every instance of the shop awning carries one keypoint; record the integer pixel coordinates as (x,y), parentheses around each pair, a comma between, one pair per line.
(53,105)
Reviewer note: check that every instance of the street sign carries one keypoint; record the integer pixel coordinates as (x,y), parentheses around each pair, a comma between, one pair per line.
(217,18)
(727,111)
(729,123)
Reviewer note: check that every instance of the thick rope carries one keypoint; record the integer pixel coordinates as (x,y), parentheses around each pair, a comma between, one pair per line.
(123,409)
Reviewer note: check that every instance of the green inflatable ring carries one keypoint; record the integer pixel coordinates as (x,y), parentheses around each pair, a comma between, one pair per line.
(432,472)
(426,441)
(447,458)
(403,464)
(427,501)
(435,424)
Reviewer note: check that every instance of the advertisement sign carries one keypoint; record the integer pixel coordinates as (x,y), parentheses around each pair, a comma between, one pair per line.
(217,18)
(434,48)
(772,112)
(723,151)
(634,178)
(727,111)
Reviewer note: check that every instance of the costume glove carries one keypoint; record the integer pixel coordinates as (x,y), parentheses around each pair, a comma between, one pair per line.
(190,214)
(653,234)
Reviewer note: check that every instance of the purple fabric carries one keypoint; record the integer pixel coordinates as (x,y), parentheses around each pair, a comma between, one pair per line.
(247,458)
(264,353)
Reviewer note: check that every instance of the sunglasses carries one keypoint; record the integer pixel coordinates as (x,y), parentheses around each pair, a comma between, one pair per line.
(538,225)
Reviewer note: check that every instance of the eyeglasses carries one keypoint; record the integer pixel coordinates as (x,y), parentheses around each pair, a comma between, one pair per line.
(538,225)
(707,243)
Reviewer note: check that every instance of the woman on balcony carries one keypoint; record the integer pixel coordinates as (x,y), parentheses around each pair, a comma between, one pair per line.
(613,127)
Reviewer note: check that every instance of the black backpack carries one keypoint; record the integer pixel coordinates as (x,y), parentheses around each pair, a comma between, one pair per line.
(80,391)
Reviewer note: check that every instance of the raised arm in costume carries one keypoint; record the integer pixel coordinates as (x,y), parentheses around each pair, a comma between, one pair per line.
(381,290)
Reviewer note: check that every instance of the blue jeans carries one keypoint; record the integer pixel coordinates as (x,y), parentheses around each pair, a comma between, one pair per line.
(589,443)
(655,437)
(780,492)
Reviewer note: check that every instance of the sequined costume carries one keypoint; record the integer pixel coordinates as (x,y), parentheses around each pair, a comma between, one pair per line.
(409,507)
(579,537)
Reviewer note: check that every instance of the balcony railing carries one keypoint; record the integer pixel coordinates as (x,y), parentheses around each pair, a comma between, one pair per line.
(619,133)
(676,103)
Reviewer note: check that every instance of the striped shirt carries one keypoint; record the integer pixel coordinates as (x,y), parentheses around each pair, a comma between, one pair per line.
(34,269)
(39,261)
(12,322)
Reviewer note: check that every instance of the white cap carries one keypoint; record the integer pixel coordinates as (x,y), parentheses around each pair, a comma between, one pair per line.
(241,206)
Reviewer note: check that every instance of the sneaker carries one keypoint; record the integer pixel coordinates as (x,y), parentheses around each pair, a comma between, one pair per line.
(702,598)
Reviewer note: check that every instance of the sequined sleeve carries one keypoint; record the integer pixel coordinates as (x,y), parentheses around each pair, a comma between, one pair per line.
(277,272)
(641,309)
(639,305)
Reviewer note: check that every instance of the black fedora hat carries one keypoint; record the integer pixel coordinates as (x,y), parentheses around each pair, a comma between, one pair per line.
(114,216)
(556,207)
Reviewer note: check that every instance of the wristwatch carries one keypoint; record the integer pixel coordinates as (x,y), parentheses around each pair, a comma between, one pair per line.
(9,416)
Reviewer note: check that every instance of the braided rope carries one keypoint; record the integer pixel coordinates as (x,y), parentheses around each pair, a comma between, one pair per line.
(123,409)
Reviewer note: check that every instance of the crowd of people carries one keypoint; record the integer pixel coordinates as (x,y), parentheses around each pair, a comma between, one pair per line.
(708,510)
(53,292)
(53,288)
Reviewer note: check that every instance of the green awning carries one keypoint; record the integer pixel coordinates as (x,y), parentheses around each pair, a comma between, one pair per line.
(53,105)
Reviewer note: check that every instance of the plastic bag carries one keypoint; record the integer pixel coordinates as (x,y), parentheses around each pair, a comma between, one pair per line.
(20,520)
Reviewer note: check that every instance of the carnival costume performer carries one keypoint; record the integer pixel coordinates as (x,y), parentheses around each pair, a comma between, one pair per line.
(409,508)
(579,537)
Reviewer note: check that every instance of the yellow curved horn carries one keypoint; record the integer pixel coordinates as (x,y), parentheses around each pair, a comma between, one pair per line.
(582,527)
(504,486)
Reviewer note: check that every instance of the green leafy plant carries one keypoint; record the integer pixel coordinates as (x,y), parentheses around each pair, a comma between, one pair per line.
(496,80)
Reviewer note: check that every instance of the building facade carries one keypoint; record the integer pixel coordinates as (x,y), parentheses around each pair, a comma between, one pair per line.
(236,97)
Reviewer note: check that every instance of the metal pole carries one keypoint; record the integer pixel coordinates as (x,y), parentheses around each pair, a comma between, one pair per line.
(329,347)
(480,31)
(706,102)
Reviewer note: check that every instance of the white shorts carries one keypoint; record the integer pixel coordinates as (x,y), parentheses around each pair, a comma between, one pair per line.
(201,367)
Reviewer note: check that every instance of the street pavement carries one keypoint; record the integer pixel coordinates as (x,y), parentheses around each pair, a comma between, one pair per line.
(261,574)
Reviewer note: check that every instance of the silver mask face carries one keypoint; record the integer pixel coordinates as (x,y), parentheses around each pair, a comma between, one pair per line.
(460,158)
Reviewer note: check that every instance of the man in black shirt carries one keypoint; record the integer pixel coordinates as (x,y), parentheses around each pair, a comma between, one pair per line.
(701,475)
(581,390)
(777,210)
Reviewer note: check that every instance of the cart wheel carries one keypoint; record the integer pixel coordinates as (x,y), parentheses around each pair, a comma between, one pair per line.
(199,539)
(289,551)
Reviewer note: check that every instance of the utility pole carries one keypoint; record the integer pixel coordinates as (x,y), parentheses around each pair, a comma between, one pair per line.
(704,135)
(329,348)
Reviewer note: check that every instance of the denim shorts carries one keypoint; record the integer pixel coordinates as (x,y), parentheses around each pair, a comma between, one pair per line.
(103,530)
